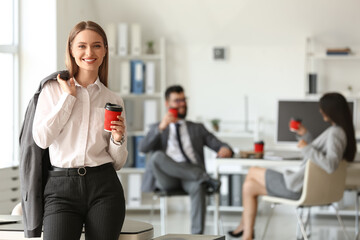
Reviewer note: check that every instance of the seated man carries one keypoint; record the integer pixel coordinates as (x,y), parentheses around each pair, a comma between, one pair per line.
(177,159)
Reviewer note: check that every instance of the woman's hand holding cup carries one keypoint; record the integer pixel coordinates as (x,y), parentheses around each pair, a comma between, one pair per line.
(118,129)
(295,125)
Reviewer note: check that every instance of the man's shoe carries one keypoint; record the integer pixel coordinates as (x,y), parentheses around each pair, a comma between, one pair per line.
(213,185)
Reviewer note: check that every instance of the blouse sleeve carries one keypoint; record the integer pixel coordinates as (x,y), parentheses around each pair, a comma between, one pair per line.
(335,144)
(52,112)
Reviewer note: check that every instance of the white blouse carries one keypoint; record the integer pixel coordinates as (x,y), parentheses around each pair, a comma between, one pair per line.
(73,127)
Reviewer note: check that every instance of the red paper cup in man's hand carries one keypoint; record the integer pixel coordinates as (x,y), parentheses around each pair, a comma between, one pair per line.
(174,112)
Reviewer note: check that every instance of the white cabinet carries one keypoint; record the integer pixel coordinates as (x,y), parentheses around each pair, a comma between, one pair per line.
(9,188)
(144,105)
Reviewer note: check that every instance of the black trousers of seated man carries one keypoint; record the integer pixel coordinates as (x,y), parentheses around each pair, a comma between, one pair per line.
(171,175)
(94,201)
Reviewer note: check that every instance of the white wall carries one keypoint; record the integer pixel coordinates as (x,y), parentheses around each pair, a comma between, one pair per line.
(265,39)
(266,43)
(37,46)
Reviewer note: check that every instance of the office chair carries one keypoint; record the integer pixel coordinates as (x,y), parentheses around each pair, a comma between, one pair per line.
(17,210)
(353,184)
(163,195)
(319,189)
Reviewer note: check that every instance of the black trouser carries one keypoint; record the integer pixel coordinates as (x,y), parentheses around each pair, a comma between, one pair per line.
(95,200)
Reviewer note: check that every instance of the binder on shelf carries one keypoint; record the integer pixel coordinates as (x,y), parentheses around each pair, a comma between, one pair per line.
(137,76)
(139,157)
(113,82)
(125,77)
(149,77)
(123,41)
(130,158)
(150,113)
(134,189)
(225,190)
(236,189)
(135,39)
(111,38)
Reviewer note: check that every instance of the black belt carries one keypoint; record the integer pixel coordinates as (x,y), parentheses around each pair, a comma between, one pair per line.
(81,171)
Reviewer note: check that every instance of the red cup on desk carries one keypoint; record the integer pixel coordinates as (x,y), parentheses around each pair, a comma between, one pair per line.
(112,111)
(294,124)
(174,112)
(259,146)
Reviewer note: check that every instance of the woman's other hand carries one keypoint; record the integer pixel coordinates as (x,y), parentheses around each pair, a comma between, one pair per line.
(67,86)
(302,143)
(301,131)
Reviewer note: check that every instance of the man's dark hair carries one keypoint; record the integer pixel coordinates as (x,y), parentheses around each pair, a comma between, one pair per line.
(171,89)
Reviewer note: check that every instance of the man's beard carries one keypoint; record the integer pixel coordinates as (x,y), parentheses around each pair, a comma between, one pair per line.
(182,115)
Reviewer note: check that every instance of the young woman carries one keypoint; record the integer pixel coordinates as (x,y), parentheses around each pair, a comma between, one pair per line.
(327,150)
(83,188)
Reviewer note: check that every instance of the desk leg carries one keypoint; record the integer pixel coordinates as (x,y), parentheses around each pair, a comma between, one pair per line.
(216,207)
(216,214)
(357,215)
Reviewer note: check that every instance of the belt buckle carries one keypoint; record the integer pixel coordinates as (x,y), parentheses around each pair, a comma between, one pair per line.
(81,171)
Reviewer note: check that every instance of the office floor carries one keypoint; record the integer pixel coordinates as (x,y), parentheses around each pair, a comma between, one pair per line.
(282,225)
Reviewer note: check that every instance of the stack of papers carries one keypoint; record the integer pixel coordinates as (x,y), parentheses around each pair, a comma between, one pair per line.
(282,155)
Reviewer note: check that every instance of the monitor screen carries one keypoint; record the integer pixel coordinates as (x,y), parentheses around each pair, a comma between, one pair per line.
(307,111)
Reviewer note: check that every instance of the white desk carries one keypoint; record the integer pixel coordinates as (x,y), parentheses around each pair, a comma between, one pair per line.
(131,230)
(239,165)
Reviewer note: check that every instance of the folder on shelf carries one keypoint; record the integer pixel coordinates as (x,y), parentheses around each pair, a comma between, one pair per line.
(236,189)
(149,77)
(113,82)
(123,39)
(134,190)
(125,77)
(150,113)
(137,76)
(225,190)
(135,39)
(139,157)
(111,38)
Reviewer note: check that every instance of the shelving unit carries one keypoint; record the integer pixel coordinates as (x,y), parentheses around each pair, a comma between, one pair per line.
(134,108)
(332,69)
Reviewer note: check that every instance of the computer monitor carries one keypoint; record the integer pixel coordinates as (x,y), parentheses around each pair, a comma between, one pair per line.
(308,112)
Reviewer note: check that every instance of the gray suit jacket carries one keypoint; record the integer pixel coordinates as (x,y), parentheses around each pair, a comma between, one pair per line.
(34,166)
(156,140)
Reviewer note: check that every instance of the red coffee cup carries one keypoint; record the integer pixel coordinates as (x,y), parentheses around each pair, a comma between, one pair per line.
(259,146)
(112,111)
(294,124)
(174,112)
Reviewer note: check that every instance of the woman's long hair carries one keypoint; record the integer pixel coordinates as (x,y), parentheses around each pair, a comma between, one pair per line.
(71,65)
(335,106)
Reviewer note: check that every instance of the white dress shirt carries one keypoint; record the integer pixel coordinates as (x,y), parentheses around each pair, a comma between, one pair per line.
(73,127)
(173,148)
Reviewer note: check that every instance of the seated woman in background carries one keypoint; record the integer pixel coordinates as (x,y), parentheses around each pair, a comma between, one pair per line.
(336,143)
